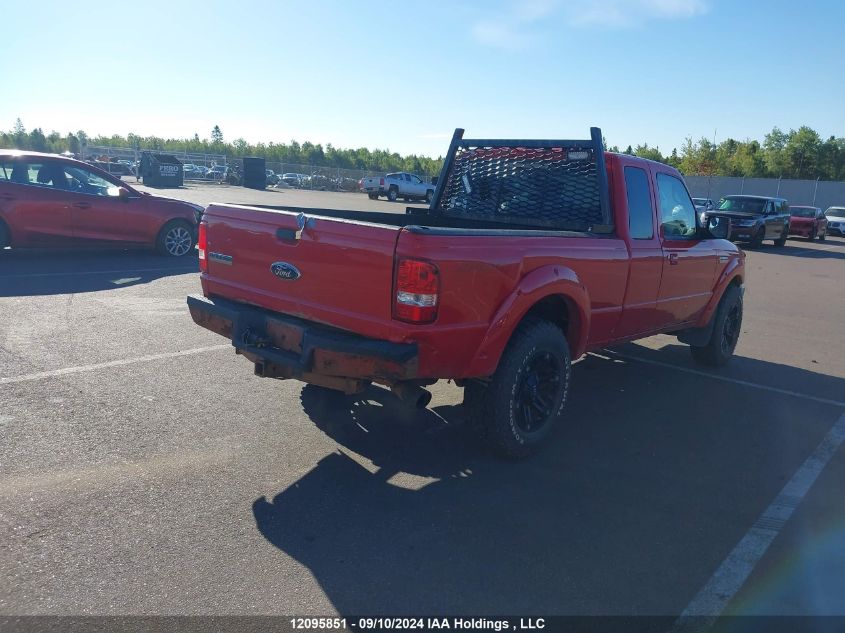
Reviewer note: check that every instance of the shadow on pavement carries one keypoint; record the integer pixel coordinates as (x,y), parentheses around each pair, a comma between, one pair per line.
(49,272)
(628,510)
(800,249)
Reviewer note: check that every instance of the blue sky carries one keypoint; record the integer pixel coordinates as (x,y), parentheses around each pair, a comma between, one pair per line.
(403,74)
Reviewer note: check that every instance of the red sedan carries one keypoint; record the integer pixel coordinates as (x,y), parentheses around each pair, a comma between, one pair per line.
(48,201)
(807,222)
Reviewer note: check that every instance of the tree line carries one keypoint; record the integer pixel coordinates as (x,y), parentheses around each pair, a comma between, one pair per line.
(800,153)
(305,153)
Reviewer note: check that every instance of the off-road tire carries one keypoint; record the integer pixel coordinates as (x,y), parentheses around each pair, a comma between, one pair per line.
(495,409)
(171,239)
(724,337)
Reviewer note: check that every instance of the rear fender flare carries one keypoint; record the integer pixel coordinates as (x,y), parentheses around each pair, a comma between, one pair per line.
(547,281)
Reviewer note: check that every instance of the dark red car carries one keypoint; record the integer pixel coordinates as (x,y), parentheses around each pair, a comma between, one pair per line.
(48,200)
(809,222)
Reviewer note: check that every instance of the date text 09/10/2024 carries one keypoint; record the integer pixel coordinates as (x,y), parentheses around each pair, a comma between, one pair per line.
(409,624)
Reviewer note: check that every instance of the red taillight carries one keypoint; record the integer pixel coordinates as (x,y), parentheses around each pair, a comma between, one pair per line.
(381,182)
(417,290)
(201,246)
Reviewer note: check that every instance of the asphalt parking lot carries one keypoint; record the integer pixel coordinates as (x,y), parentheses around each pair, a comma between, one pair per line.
(145,470)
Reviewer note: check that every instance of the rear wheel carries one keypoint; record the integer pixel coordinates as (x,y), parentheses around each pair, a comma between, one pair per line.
(372,196)
(175,239)
(523,403)
(392,194)
(725,334)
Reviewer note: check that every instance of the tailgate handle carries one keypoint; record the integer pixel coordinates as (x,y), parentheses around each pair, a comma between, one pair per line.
(293,234)
(288,234)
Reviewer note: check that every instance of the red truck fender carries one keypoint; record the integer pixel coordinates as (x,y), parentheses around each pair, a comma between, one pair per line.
(728,276)
(553,281)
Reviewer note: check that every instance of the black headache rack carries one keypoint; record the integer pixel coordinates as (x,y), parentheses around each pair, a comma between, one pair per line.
(559,185)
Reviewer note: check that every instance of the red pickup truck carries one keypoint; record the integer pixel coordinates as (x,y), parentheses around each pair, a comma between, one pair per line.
(530,254)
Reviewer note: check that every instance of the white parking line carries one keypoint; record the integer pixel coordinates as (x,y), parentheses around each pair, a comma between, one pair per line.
(113,363)
(98,272)
(709,603)
(736,381)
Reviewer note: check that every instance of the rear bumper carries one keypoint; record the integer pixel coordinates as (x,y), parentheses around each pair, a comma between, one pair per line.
(803,230)
(283,346)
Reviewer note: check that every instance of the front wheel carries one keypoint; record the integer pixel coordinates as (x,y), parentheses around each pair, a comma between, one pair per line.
(523,403)
(175,239)
(781,241)
(725,335)
(428,196)
(757,241)
(822,235)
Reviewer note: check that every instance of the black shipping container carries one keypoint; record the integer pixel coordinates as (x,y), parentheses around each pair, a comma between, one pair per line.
(255,175)
(161,170)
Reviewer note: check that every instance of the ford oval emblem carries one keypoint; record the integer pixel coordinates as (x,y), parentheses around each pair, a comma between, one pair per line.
(283,270)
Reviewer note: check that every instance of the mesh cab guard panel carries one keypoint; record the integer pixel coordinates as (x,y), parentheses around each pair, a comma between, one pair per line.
(558,185)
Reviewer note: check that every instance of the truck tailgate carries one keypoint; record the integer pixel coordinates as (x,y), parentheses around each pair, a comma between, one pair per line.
(333,271)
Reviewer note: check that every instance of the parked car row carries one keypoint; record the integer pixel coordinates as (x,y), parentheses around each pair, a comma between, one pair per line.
(758,218)
(319,182)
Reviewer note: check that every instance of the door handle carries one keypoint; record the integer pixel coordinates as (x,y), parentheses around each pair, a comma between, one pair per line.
(81,205)
(673,259)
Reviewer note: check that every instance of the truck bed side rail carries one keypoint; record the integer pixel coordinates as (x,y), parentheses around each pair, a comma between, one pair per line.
(553,184)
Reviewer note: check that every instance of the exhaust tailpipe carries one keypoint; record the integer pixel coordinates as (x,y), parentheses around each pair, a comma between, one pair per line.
(411,394)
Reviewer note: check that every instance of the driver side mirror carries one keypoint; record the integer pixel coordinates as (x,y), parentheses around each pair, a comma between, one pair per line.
(123,194)
(719,227)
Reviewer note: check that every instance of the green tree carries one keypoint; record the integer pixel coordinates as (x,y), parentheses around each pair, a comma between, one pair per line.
(773,152)
(37,140)
(802,153)
(216,136)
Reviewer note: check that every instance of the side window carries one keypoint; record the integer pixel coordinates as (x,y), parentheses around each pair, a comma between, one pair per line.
(769,207)
(41,174)
(80,180)
(48,174)
(640,210)
(6,168)
(415,180)
(677,213)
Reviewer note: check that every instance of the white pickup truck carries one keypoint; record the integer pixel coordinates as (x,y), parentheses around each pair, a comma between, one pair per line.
(398,185)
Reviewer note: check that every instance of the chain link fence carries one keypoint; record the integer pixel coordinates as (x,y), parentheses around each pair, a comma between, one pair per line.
(219,168)
(816,193)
